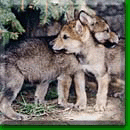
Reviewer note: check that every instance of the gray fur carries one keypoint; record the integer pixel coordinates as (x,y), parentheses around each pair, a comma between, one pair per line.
(32,60)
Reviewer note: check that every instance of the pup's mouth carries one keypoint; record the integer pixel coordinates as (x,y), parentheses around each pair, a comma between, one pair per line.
(60,51)
(109,44)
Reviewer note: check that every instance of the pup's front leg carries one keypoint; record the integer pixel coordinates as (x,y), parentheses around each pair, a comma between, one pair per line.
(64,83)
(101,98)
(79,80)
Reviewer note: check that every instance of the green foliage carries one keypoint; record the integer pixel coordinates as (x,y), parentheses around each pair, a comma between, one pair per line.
(34,109)
(6,37)
(10,27)
(52,93)
(56,10)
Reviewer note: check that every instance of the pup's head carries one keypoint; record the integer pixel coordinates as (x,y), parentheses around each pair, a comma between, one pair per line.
(99,27)
(71,37)
(76,33)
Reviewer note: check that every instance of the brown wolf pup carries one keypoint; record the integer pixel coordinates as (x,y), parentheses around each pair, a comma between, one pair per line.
(103,35)
(34,61)
(82,38)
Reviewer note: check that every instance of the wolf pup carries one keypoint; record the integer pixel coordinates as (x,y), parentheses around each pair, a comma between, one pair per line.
(34,61)
(82,38)
(101,32)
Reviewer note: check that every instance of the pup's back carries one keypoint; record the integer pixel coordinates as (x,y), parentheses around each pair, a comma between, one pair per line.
(31,60)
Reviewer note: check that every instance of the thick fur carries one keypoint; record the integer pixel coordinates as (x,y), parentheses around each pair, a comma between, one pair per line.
(32,60)
(82,38)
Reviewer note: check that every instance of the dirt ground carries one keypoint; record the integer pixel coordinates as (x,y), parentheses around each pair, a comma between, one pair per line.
(114,114)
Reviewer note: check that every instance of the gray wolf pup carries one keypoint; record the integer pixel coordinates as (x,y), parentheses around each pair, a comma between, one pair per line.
(34,61)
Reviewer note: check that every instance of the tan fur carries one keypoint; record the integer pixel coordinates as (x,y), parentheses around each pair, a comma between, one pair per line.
(99,27)
(94,56)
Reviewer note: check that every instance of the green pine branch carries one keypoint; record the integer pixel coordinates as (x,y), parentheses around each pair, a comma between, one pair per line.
(10,27)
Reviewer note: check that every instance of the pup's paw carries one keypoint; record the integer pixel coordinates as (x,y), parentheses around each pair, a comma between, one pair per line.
(100,108)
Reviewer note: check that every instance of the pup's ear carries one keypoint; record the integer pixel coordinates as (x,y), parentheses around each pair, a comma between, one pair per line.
(85,18)
(79,27)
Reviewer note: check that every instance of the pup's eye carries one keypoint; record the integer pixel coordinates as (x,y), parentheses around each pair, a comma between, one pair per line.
(65,37)
(92,24)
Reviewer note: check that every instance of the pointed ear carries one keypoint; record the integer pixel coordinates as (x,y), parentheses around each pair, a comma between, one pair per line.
(79,27)
(85,18)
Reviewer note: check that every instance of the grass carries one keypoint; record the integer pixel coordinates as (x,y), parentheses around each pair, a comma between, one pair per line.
(24,103)
(34,109)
